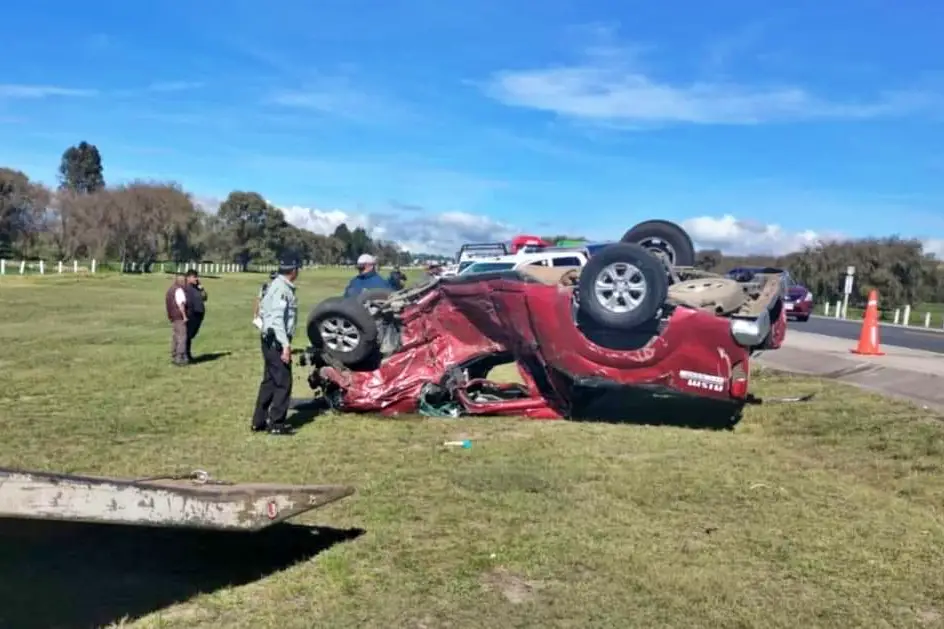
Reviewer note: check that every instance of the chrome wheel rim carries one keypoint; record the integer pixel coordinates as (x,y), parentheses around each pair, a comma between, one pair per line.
(620,287)
(339,334)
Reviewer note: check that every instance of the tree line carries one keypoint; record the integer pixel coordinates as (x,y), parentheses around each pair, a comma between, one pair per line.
(897,268)
(147,221)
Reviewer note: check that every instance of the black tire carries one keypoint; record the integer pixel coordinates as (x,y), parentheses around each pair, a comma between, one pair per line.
(636,261)
(343,314)
(658,235)
(803,318)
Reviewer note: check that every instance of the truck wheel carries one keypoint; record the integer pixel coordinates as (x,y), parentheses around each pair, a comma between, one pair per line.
(717,294)
(372,298)
(664,239)
(344,329)
(622,286)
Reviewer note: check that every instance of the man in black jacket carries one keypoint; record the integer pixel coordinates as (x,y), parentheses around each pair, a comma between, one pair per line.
(195,306)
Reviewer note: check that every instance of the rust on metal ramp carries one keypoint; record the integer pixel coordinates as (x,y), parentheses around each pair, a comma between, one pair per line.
(190,501)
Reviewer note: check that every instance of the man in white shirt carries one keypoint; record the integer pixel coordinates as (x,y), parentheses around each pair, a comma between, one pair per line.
(175,301)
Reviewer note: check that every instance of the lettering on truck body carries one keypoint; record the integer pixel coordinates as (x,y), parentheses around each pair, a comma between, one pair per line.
(705,381)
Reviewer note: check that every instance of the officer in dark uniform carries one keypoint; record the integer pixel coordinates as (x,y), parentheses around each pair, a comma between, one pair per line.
(196,308)
(278,310)
(397,278)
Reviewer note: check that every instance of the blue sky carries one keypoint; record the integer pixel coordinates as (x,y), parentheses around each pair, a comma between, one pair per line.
(760,126)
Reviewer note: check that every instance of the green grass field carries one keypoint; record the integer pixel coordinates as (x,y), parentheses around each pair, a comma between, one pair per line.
(825,514)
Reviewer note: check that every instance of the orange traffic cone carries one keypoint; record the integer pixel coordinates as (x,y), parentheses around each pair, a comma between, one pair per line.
(868,338)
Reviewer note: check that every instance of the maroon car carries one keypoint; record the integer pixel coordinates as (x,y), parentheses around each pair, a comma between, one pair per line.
(797,299)
(621,334)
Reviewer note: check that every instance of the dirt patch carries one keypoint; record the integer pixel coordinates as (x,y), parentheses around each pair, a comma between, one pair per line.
(929,617)
(515,588)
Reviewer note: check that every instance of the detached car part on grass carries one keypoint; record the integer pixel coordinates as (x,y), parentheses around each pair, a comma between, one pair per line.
(631,326)
(193,501)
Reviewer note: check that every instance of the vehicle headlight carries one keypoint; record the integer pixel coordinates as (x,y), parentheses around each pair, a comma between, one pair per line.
(808,296)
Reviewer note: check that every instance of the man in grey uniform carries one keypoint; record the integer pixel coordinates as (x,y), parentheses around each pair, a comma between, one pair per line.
(278,310)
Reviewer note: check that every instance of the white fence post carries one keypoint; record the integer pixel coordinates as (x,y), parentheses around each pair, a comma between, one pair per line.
(826,313)
(22,267)
(897,315)
(3,267)
(927,319)
(60,267)
(838,309)
(906,315)
(162,267)
(75,266)
(42,268)
(93,265)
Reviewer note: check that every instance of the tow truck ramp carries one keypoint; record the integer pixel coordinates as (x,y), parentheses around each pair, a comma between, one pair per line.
(193,501)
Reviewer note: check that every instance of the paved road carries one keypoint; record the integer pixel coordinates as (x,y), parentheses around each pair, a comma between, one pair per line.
(912,337)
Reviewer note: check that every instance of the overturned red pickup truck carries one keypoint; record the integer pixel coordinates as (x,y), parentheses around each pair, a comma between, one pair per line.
(637,331)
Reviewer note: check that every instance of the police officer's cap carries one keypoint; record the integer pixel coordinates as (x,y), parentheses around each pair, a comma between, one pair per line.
(287,265)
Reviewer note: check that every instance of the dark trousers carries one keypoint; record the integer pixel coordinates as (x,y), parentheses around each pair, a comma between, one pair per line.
(275,391)
(194,321)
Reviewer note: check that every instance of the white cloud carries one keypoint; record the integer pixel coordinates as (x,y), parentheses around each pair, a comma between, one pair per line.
(741,237)
(209,205)
(322,221)
(42,91)
(610,88)
(935,246)
(341,98)
(737,237)
(415,231)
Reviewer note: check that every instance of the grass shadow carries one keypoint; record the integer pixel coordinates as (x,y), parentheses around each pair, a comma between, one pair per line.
(306,410)
(73,575)
(208,357)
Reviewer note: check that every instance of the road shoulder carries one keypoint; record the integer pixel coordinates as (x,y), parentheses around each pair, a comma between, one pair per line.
(915,375)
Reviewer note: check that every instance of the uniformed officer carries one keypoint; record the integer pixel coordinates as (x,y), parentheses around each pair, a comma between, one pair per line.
(256,319)
(397,278)
(196,308)
(278,310)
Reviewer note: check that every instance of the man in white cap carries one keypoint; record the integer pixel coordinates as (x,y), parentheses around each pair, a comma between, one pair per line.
(367,277)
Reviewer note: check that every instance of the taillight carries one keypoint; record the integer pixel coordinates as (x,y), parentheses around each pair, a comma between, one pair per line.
(739,380)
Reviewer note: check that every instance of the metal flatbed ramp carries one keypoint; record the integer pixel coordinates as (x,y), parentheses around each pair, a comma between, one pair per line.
(193,501)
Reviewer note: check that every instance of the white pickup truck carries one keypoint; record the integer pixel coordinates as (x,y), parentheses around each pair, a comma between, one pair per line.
(546,257)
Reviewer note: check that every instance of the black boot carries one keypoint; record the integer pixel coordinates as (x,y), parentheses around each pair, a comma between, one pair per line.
(281,428)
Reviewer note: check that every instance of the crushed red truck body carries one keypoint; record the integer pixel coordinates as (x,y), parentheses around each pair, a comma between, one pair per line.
(437,343)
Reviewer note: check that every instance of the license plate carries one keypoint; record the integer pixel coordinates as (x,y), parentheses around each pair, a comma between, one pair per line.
(788,306)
